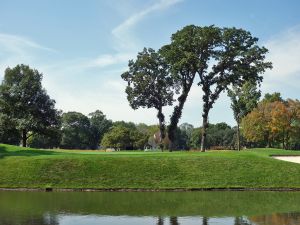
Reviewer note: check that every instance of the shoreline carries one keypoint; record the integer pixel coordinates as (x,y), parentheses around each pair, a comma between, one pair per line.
(146,189)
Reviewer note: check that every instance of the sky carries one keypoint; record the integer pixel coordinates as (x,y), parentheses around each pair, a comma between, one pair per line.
(82,47)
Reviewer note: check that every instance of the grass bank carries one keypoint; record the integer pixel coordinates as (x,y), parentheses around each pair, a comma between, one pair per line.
(33,168)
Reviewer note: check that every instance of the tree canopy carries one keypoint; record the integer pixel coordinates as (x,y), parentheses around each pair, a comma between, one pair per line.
(149,84)
(26,103)
(75,131)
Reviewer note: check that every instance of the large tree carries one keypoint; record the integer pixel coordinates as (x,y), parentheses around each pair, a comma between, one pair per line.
(149,84)
(244,98)
(220,56)
(26,102)
(235,58)
(187,54)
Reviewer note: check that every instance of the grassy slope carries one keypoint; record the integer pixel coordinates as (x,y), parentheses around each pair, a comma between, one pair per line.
(33,168)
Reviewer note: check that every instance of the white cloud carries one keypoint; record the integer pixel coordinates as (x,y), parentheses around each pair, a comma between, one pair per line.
(284,54)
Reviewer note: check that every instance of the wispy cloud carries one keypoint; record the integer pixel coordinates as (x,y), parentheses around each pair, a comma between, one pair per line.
(16,43)
(17,49)
(123,32)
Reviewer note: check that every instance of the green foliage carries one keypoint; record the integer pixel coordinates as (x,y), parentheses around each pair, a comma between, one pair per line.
(149,84)
(122,137)
(244,99)
(118,137)
(76,131)
(26,102)
(273,97)
(99,125)
(219,136)
(50,139)
(9,134)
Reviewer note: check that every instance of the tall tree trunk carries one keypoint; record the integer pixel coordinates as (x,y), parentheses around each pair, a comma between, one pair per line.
(238,137)
(24,137)
(175,118)
(162,135)
(204,129)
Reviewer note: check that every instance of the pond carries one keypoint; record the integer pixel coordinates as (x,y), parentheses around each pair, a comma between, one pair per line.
(149,208)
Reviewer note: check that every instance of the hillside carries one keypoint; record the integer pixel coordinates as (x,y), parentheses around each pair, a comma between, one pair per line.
(33,168)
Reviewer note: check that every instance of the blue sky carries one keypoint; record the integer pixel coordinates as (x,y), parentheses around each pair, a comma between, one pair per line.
(82,47)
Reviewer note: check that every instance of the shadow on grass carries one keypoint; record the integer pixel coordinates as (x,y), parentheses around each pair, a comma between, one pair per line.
(6,151)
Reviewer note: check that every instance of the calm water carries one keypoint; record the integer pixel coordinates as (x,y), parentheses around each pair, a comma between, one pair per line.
(172,208)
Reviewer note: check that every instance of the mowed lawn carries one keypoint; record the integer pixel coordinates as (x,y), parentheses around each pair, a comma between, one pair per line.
(33,168)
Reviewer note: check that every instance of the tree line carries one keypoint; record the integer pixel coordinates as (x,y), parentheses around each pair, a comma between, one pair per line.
(28,116)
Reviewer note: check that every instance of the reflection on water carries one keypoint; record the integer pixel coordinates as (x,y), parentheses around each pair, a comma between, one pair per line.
(184,208)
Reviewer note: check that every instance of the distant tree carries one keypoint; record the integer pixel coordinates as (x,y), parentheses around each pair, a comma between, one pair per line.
(76,132)
(186,131)
(294,135)
(255,126)
(149,84)
(138,139)
(195,140)
(274,97)
(219,135)
(273,123)
(124,138)
(26,102)
(118,137)
(244,99)
(285,121)
(99,125)
(129,125)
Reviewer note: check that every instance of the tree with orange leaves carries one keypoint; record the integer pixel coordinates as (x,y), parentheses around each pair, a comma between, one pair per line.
(274,122)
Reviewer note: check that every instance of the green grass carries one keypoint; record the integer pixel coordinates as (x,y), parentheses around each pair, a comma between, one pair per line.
(32,168)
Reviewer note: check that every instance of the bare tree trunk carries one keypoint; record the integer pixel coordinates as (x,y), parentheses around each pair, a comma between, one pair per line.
(175,119)
(204,129)
(24,137)
(161,119)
